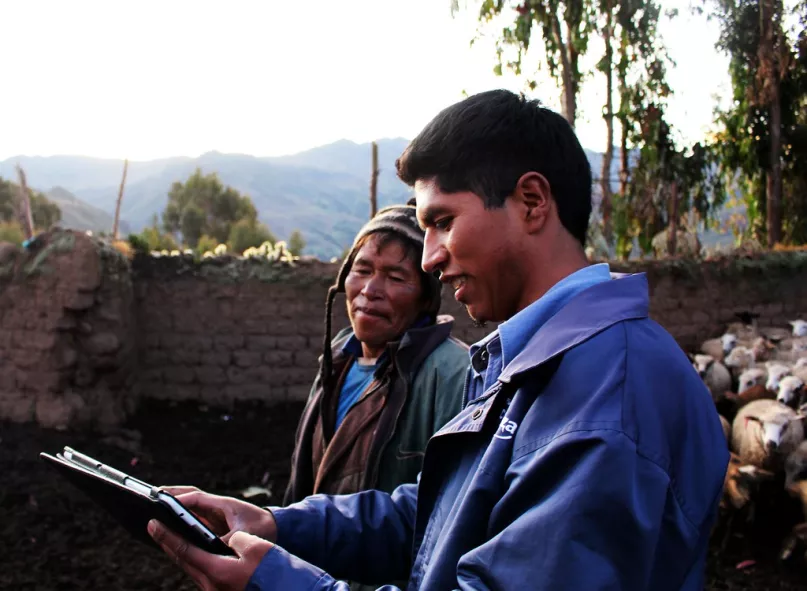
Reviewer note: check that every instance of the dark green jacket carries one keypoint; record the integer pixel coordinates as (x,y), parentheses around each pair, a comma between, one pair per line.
(381,442)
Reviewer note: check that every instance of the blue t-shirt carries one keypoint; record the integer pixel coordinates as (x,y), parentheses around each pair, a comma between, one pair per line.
(356,382)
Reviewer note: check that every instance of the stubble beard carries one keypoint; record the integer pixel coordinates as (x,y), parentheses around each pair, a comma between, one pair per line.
(476,323)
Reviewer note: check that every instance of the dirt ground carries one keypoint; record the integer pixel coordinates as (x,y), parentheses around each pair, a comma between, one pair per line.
(51,537)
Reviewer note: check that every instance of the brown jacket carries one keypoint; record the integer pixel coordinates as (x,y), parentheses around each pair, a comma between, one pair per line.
(381,441)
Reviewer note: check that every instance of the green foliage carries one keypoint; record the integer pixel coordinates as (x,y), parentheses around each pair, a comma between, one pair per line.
(564,26)
(247,233)
(296,243)
(154,239)
(11,232)
(206,244)
(741,147)
(44,213)
(139,244)
(202,205)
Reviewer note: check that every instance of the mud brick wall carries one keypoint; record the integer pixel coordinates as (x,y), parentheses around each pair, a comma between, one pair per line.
(67,342)
(230,332)
(84,333)
(697,300)
(248,330)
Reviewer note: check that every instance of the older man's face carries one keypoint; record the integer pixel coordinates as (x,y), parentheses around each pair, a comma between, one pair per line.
(384,293)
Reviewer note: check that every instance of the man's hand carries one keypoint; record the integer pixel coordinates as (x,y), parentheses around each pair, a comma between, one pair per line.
(225,515)
(209,571)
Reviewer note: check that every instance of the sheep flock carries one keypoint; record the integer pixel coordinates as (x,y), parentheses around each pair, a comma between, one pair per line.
(758,381)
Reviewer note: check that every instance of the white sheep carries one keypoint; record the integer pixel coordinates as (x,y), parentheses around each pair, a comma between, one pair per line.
(714,374)
(753,376)
(740,358)
(799,328)
(776,371)
(719,348)
(790,390)
(764,432)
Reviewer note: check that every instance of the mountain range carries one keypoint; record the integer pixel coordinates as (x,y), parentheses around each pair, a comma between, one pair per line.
(323,192)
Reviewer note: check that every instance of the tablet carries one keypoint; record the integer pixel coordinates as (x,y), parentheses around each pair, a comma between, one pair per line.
(132,502)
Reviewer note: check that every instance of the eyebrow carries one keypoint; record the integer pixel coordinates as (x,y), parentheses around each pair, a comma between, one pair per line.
(387,268)
(431,213)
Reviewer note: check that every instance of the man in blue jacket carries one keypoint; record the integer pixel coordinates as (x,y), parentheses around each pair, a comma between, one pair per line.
(588,454)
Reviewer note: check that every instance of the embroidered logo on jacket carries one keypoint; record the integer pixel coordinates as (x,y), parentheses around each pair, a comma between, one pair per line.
(507,429)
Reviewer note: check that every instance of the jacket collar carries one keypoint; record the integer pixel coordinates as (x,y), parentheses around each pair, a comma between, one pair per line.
(408,352)
(590,312)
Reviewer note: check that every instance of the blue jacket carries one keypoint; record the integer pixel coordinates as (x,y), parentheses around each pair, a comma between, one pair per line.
(596,461)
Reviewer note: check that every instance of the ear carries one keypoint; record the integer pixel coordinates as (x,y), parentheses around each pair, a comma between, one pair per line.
(533,195)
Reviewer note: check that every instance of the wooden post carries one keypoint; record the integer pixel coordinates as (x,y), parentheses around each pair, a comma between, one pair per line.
(374,182)
(672,236)
(25,203)
(120,199)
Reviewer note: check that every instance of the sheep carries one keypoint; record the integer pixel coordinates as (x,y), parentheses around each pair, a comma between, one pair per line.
(790,391)
(799,369)
(714,374)
(764,432)
(719,348)
(799,328)
(796,465)
(729,404)
(740,358)
(739,481)
(741,485)
(776,371)
(753,376)
(798,534)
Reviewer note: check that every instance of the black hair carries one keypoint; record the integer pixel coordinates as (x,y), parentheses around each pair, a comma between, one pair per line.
(487,141)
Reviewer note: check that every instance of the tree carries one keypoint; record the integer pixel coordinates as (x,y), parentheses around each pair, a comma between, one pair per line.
(248,233)
(44,212)
(155,239)
(564,26)
(757,143)
(666,184)
(631,26)
(296,243)
(202,205)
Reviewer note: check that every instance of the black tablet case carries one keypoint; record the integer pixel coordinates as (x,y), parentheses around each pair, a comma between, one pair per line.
(132,509)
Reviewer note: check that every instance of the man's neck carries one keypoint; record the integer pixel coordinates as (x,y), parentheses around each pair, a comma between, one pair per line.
(549,271)
(370,354)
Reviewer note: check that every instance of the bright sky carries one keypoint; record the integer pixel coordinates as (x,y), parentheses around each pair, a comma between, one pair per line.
(147,79)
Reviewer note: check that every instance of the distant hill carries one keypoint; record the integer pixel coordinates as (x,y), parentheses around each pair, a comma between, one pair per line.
(78,215)
(323,192)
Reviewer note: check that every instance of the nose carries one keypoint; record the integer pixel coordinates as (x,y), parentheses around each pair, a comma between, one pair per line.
(434,253)
(373,288)
(771,445)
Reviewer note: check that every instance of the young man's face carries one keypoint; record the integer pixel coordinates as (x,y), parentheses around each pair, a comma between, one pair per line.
(384,293)
(475,250)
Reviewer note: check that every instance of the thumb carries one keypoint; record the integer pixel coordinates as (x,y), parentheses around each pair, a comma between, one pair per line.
(242,542)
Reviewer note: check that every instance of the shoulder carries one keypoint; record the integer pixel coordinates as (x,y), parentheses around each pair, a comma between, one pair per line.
(449,357)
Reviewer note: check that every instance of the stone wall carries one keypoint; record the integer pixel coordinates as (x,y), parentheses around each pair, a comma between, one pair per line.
(86,338)
(67,343)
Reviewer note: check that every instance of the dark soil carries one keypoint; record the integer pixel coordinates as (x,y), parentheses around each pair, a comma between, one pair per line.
(52,537)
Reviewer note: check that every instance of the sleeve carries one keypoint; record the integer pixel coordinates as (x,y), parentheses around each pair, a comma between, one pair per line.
(364,536)
(583,512)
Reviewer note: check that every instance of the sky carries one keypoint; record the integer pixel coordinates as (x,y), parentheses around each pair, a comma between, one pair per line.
(152,79)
